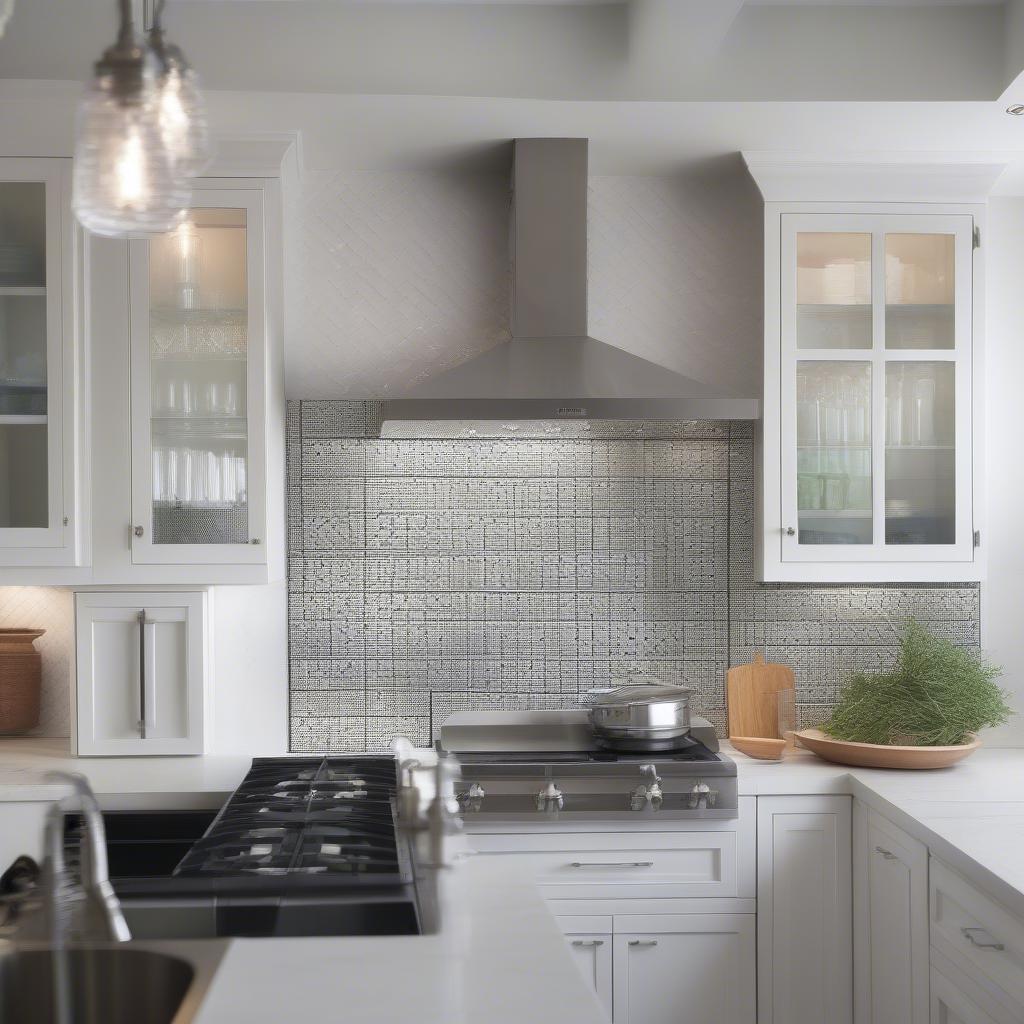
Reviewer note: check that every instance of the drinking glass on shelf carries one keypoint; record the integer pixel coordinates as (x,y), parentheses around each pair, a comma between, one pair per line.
(924,411)
(231,399)
(211,398)
(786,707)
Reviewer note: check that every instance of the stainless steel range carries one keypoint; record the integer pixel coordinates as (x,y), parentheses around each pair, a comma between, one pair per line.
(548,766)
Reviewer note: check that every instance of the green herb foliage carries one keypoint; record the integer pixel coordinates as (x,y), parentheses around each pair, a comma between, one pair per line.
(936,695)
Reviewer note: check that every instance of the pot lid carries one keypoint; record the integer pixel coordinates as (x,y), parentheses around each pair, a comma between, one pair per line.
(642,693)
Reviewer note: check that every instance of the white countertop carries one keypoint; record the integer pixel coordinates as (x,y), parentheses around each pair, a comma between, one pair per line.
(971,815)
(120,783)
(499,959)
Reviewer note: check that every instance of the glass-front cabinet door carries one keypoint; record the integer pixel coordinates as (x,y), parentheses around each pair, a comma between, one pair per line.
(36,460)
(876,386)
(198,378)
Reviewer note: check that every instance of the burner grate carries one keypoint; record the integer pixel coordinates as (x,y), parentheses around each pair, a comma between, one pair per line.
(304,816)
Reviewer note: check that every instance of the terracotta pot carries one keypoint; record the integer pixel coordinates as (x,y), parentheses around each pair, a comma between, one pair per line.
(21,677)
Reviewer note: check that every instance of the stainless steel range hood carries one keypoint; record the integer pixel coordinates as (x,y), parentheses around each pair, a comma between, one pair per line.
(551,369)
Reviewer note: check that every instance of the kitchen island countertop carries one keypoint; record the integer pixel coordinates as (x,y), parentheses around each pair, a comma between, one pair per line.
(499,959)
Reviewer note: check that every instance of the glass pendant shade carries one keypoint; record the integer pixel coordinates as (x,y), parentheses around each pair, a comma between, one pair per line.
(126,182)
(183,115)
(6,10)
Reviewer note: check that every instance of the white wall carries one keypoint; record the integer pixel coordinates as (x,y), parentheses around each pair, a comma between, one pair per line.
(52,609)
(249,698)
(1002,609)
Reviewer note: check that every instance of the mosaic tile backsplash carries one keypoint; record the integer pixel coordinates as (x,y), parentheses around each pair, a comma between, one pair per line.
(462,570)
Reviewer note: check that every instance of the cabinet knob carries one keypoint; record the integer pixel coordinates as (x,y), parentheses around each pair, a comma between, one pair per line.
(790,532)
(138,531)
(255,540)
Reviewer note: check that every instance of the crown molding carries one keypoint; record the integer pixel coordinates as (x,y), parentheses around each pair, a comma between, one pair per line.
(876,177)
(252,154)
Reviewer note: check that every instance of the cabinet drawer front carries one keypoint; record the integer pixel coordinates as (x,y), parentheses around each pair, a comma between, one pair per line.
(576,924)
(950,1006)
(688,864)
(977,934)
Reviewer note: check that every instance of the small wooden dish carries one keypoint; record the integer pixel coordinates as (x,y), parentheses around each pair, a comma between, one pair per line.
(764,748)
(873,755)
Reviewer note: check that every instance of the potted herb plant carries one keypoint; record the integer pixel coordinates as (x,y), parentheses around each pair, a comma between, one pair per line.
(924,712)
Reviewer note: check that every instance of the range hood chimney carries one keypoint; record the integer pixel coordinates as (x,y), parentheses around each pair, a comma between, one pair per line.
(551,369)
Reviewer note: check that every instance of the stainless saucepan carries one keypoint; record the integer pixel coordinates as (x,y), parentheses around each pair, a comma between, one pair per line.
(642,716)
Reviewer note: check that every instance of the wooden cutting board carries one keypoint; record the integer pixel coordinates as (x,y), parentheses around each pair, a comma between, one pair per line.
(750,692)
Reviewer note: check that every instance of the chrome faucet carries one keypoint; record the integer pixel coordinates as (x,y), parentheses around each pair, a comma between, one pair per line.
(91,911)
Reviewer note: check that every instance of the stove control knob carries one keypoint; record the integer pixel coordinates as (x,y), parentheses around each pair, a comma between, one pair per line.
(472,798)
(701,796)
(550,798)
(649,791)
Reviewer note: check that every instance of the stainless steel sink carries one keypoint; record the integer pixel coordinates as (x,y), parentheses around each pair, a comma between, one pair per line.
(103,986)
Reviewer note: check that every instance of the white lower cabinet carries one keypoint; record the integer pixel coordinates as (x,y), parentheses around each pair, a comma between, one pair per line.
(592,952)
(950,1006)
(804,907)
(687,967)
(979,938)
(141,672)
(891,922)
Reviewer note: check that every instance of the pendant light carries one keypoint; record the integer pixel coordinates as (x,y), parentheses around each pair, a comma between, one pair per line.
(6,10)
(182,110)
(126,182)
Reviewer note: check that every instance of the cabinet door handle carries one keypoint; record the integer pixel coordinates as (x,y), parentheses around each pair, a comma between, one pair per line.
(588,942)
(887,854)
(981,938)
(142,674)
(612,864)
(643,942)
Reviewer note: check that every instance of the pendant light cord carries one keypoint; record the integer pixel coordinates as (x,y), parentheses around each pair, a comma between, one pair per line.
(126,35)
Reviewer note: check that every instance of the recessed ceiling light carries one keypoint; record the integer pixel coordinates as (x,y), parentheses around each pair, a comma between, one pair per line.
(1016,109)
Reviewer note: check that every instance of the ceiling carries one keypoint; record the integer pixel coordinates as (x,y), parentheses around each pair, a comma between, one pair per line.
(659,86)
(636,50)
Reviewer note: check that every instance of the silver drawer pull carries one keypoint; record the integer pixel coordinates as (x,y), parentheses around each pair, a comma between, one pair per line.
(588,942)
(887,854)
(643,942)
(981,938)
(612,864)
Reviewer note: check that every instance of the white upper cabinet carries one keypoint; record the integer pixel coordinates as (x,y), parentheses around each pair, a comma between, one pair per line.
(38,517)
(872,343)
(198,386)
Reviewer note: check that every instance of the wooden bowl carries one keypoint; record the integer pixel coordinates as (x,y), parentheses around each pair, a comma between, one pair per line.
(765,748)
(874,755)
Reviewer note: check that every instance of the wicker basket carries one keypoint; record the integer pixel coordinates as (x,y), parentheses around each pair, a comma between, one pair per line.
(21,675)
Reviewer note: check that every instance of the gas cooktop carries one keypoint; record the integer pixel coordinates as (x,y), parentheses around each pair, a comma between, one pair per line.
(308,823)
(512,770)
